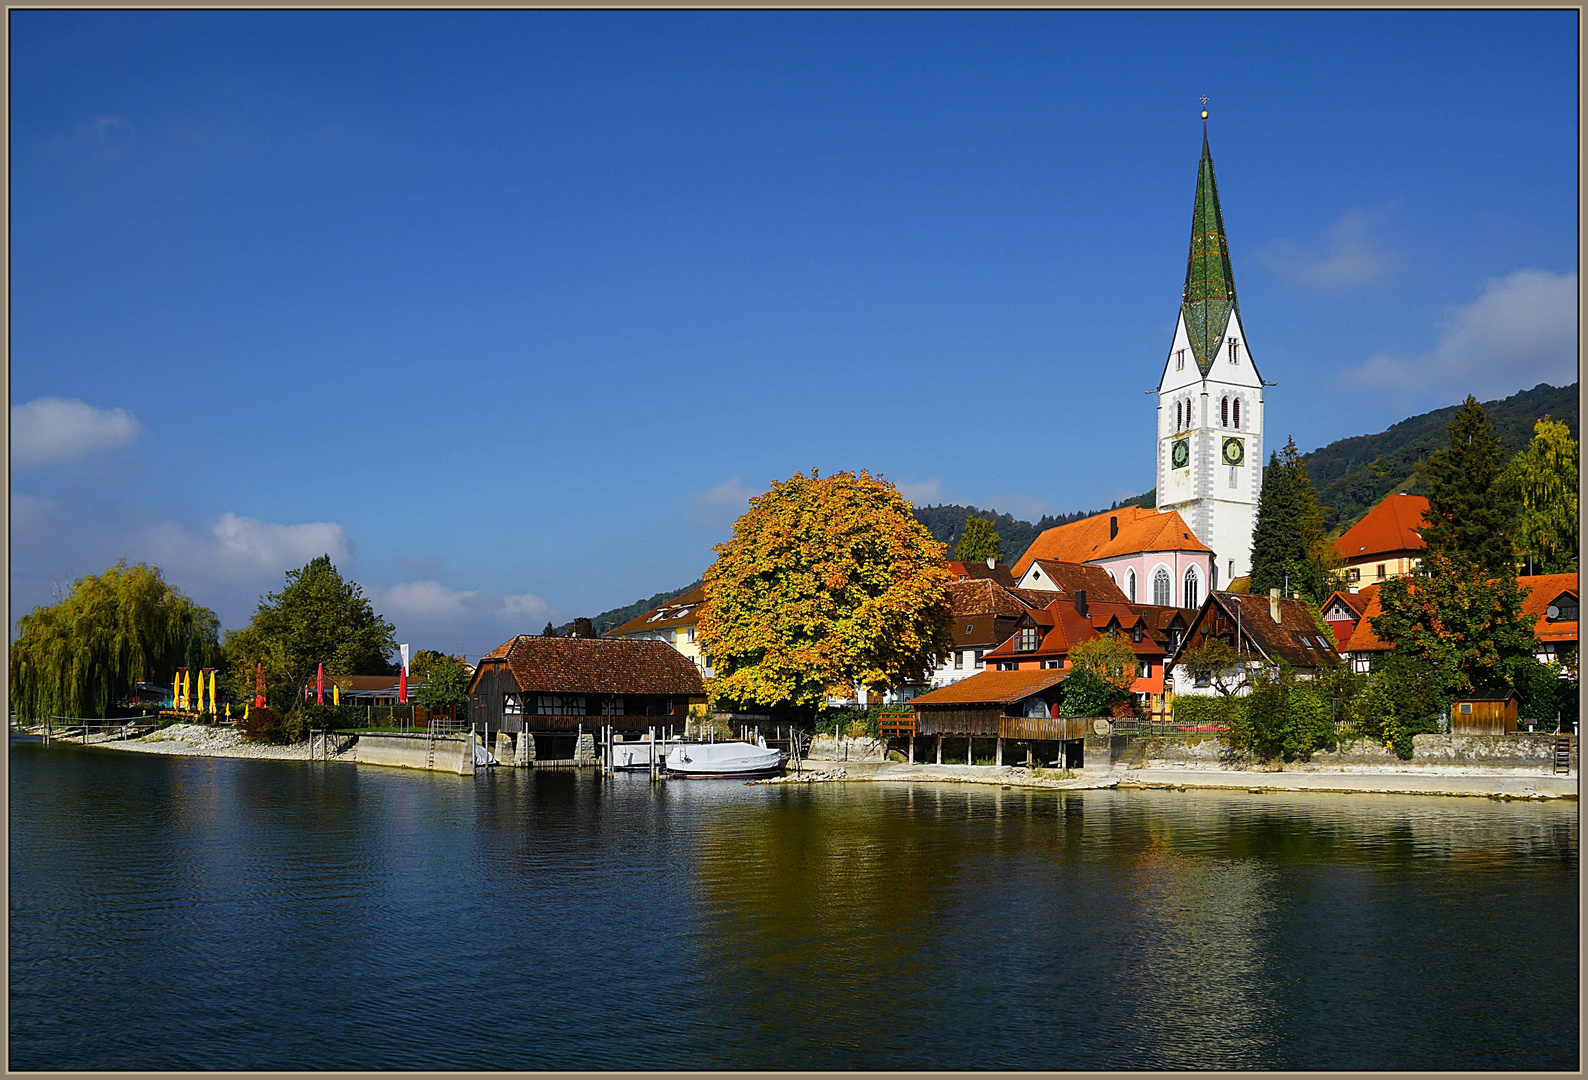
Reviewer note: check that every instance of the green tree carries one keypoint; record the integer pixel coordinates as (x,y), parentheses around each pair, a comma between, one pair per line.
(317,618)
(1281,717)
(85,652)
(447,684)
(1470,513)
(1543,481)
(1470,626)
(421,662)
(980,541)
(1102,671)
(1405,696)
(549,631)
(825,581)
(1278,548)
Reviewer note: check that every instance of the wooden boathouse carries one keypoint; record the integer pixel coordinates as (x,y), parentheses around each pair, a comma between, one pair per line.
(556,689)
(1011,715)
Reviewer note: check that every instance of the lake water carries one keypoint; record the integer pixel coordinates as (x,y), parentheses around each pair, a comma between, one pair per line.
(189,913)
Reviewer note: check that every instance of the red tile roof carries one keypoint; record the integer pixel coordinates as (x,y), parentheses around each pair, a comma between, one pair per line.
(963,571)
(985,597)
(1391,526)
(1088,539)
(681,610)
(1068,578)
(565,665)
(1542,591)
(992,688)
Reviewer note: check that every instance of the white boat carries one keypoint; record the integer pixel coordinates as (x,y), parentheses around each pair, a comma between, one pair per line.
(739,760)
(636,756)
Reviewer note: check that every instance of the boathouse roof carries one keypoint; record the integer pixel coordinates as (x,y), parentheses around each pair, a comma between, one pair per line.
(570,665)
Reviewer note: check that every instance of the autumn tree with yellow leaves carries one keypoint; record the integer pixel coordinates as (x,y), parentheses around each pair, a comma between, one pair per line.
(825,581)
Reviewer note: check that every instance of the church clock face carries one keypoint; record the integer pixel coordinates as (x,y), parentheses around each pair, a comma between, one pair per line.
(1234,452)
(1180,453)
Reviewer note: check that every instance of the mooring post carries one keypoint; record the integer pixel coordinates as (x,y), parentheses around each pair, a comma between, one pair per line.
(912,748)
(998,752)
(940,749)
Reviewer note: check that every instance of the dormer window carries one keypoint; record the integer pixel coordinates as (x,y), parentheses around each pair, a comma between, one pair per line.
(1028,639)
(1135,633)
(1564,609)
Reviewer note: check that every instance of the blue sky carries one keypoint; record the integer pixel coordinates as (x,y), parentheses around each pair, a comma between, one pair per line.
(511,311)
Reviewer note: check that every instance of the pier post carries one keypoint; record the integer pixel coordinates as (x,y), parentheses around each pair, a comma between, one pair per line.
(998,753)
(940,749)
(970,744)
(912,748)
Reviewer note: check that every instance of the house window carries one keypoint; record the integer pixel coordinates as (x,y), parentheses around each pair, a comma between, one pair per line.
(1006,666)
(1192,592)
(1564,608)
(980,663)
(559,704)
(959,659)
(1381,571)
(1146,669)
(1048,664)
(1359,663)
(1237,412)
(1202,679)
(512,705)
(1130,585)
(1174,640)
(1135,633)
(1028,639)
(611,706)
(1160,588)
(1354,574)
(689,634)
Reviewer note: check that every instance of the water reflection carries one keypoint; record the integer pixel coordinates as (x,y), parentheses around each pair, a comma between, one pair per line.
(575,923)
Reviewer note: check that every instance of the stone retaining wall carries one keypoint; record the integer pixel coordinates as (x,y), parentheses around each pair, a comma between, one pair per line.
(1502,752)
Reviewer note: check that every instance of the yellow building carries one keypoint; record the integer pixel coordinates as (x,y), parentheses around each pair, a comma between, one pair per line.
(1386,543)
(673,622)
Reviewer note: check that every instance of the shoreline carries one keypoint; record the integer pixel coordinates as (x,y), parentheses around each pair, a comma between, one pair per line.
(195,740)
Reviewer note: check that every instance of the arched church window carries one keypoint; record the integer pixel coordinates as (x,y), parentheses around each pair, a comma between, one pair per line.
(1130,585)
(1224,413)
(1192,593)
(1179,420)
(1237,412)
(1160,588)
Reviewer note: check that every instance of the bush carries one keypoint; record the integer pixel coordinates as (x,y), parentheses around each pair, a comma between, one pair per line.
(263,725)
(848,723)
(1196,710)
(1405,697)
(1282,718)
(1085,694)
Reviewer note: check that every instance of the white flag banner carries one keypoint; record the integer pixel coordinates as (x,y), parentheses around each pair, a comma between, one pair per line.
(404,649)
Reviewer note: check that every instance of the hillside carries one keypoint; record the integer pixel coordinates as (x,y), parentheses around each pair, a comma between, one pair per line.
(1353,474)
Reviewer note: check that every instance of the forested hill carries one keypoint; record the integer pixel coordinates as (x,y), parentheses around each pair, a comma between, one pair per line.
(1353,474)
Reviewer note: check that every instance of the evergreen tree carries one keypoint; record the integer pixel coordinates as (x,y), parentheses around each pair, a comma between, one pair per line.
(1543,478)
(550,631)
(1278,547)
(979,542)
(1470,512)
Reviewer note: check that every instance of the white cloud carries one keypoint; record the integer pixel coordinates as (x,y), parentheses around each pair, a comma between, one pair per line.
(1519,332)
(51,430)
(242,548)
(924,493)
(1347,255)
(523,606)
(720,506)
(424,600)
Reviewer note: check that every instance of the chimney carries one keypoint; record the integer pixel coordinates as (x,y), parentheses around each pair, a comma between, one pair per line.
(1113,527)
(1080,601)
(992,562)
(1273,604)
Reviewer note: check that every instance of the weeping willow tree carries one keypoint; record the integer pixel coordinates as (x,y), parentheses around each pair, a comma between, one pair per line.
(81,655)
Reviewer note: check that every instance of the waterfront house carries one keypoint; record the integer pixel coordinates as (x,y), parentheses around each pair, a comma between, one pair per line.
(674,623)
(993,709)
(556,687)
(1262,629)
(1152,557)
(1386,543)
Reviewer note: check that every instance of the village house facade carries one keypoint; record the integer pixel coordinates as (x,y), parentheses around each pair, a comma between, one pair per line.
(673,623)
(1386,543)
(1263,630)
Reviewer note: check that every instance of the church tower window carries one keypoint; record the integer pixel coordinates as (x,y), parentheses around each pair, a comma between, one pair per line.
(1177,419)
(1224,413)
(1237,412)
(1235,351)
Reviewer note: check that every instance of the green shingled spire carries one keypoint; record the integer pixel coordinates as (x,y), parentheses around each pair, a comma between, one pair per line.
(1209,282)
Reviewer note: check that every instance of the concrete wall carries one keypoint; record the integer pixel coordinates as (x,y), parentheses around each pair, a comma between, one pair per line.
(828,748)
(452,754)
(1529,753)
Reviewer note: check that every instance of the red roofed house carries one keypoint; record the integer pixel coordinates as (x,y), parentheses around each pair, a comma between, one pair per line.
(984,614)
(673,622)
(1267,629)
(1152,557)
(971,571)
(1387,542)
(558,687)
(1550,598)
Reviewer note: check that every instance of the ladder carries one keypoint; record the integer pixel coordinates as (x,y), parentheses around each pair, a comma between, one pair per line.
(1562,754)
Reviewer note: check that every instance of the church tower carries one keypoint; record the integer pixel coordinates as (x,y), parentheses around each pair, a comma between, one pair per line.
(1210,399)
